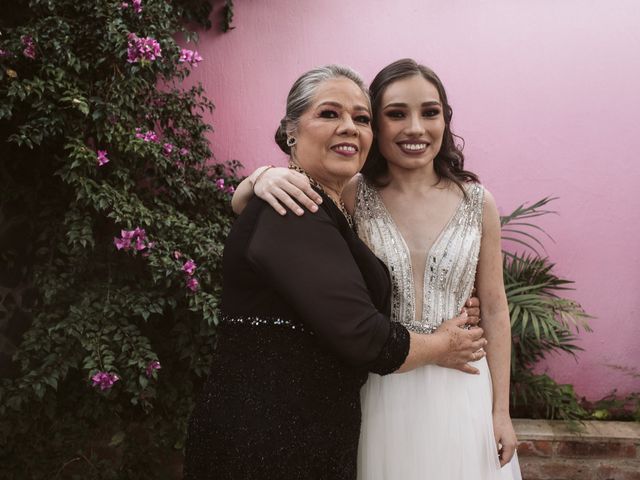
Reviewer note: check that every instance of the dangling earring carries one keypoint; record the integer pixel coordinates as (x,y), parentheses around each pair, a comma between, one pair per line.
(291,141)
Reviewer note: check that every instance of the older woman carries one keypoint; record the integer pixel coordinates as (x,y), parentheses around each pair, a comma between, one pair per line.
(305,309)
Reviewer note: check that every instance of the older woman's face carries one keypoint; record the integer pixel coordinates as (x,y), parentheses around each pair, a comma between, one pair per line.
(334,134)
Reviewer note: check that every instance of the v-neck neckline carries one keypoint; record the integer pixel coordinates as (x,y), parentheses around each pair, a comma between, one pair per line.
(407,251)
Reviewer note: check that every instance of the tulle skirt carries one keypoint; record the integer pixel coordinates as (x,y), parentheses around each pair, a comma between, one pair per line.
(431,423)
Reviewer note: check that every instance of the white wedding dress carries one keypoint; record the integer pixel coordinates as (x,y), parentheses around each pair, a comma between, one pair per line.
(430,423)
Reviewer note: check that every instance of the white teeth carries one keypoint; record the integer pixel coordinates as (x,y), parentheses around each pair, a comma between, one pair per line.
(413,146)
(346,148)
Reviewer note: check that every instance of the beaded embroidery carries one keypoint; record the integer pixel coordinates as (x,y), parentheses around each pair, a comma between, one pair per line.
(451,261)
(262,321)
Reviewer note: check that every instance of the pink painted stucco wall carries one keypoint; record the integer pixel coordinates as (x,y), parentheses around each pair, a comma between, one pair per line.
(545,93)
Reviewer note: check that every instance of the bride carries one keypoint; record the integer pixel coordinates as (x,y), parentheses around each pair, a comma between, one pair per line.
(438,231)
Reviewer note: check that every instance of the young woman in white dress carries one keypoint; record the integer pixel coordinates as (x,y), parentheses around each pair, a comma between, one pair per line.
(438,231)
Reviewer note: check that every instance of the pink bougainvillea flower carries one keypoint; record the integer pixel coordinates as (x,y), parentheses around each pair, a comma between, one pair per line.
(191,57)
(102,158)
(148,136)
(167,148)
(104,380)
(154,365)
(140,233)
(230,189)
(124,5)
(184,151)
(220,183)
(142,49)
(132,239)
(193,284)
(189,267)
(137,6)
(177,254)
(29,46)
(140,244)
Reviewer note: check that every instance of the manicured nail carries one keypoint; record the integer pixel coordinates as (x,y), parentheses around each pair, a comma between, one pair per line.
(314,208)
(299,211)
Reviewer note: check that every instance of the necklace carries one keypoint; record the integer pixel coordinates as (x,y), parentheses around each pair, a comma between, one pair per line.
(316,184)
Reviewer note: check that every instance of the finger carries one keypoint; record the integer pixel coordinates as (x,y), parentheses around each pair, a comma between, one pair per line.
(271,200)
(285,199)
(475,333)
(478,345)
(477,355)
(461,319)
(474,315)
(473,301)
(300,196)
(466,368)
(303,184)
(507,454)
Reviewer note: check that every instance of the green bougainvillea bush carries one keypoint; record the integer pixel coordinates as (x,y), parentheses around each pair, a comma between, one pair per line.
(113,216)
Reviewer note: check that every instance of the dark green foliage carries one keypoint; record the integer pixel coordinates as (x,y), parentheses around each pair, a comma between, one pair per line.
(71,304)
(542,322)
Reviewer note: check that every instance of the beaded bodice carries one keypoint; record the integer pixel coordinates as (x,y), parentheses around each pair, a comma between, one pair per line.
(451,261)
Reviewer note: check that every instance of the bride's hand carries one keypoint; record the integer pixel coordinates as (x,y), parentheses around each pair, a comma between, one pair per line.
(505,435)
(283,186)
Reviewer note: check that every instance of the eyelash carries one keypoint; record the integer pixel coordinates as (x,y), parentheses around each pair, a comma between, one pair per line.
(399,114)
(333,114)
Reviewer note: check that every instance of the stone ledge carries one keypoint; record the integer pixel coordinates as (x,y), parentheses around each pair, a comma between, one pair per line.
(601,431)
(593,450)
(585,469)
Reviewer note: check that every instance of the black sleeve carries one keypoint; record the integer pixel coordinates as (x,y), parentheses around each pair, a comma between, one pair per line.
(308,262)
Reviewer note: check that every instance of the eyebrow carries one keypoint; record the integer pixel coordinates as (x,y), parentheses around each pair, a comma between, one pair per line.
(339,105)
(404,105)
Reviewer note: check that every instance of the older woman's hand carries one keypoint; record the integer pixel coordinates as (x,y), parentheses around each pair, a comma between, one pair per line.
(283,186)
(462,345)
(472,307)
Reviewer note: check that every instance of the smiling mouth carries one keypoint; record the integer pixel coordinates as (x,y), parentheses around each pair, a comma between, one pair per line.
(413,147)
(345,149)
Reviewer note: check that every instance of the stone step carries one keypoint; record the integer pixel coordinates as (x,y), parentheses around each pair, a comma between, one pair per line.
(593,450)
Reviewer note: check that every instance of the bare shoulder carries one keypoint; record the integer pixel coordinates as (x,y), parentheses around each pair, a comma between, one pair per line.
(350,191)
(490,215)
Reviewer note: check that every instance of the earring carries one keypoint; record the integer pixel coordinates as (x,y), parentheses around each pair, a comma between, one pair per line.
(291,141)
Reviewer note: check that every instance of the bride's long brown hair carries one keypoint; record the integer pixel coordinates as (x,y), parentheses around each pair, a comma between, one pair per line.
(449,162)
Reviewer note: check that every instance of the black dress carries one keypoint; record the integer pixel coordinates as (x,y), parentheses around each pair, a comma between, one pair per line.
(301,327)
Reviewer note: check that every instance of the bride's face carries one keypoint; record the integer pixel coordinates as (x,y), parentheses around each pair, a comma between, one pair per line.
(410,123)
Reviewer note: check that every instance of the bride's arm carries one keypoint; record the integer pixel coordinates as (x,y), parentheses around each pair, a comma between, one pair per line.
(277,186)
(497,328)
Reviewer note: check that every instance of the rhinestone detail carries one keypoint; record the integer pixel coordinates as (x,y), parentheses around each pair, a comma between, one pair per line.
(451,261)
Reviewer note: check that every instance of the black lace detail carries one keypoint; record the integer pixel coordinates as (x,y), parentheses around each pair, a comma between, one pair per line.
(394,352)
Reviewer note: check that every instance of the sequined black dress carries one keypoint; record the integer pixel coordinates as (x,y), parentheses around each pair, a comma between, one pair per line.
(302,326)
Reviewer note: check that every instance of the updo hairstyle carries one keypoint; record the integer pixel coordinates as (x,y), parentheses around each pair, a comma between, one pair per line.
(302,94)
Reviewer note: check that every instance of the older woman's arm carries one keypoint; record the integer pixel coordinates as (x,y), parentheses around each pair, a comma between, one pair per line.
(308,262)
(277,186)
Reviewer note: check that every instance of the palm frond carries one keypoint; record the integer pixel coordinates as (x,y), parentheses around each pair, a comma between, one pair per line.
(514,229)
(542,321)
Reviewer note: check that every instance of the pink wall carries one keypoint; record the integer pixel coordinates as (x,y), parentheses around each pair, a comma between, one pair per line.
(545,94)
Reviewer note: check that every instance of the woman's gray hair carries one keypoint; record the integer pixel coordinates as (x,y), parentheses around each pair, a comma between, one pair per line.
(302,93)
